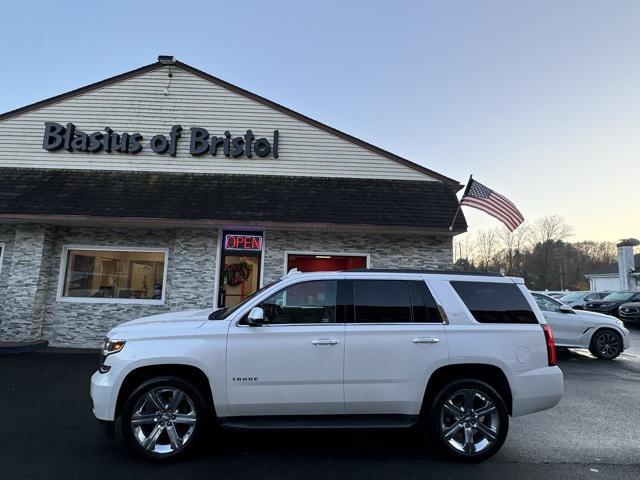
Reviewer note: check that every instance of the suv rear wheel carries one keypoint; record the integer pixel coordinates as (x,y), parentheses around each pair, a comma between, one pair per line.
(163,418)
(469,420)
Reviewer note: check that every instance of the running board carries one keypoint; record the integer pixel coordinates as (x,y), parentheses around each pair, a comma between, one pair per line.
(305,422)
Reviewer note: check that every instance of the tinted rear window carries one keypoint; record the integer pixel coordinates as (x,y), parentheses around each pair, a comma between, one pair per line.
(382,301)
(495,302)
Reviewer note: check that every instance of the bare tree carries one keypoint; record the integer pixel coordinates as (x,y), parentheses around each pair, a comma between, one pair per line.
(487,244)
(514,245)
(545,235)
(538,252)
(463,247)
(549,229)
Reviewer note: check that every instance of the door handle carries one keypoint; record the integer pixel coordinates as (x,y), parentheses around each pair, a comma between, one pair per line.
(325,341)
(426,340)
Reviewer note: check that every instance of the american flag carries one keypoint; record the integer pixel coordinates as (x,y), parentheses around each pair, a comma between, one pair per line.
(483,198)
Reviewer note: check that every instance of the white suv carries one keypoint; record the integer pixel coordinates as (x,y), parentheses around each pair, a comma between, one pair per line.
(449,353)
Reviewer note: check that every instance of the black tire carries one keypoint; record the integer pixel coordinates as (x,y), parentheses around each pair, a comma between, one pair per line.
(171,428)
(441,420)
(606,344)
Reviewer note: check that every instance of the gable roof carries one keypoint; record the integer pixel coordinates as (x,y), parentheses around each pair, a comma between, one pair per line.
(245,93)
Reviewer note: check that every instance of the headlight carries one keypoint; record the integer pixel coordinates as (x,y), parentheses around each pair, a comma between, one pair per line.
(111,345)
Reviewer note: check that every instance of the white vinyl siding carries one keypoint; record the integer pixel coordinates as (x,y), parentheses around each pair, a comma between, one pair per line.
(139,105)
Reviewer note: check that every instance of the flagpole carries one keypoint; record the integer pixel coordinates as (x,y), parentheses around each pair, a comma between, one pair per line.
(466,190)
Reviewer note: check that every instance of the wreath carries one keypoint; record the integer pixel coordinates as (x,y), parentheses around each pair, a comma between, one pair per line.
(237,273)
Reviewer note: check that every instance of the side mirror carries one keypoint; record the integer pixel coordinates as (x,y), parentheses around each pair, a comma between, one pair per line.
(566,309)
(255,317)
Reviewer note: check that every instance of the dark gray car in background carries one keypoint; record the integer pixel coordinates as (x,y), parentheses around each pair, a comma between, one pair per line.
(629,312)
(577,300)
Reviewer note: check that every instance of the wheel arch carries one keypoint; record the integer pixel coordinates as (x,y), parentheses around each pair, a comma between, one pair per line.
(600,328)
(140,375)
(487,373)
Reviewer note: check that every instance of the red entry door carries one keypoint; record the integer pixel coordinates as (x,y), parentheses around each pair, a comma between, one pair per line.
(325,263)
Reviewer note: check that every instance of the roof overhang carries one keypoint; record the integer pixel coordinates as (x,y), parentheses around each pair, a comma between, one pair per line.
(180,199)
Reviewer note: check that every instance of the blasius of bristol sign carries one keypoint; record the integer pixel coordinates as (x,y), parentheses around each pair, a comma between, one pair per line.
(57,137)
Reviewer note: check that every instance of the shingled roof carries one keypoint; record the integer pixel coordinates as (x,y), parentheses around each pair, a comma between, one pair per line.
(251,198)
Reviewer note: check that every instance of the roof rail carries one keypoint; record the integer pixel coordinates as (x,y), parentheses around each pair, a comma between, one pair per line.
(407,270)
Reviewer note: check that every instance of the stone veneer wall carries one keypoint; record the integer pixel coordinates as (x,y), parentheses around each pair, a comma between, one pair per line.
(385,250)
(24,282)
(30,272)
(190,283)
(7,238)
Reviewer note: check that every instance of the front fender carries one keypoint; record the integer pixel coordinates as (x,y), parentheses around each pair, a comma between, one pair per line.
(207,353)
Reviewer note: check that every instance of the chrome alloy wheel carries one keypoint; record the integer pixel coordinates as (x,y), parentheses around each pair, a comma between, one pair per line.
(163,420)
(469,421)
(608,344)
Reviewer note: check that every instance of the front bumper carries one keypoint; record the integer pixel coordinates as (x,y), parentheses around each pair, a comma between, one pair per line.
(102,395)
(537,390)
(629,317)
(626,339)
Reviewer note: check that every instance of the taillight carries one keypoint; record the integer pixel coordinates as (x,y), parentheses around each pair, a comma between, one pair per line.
(551,345)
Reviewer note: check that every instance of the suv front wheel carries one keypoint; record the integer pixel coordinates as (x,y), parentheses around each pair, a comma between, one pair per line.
(606,344)
(469,420)
(163,418)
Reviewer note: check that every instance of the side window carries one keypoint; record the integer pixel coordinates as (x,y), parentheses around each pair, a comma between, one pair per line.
(491,302)
(546,304)
(592,296)
(424,306)
(306,302)
(382,301)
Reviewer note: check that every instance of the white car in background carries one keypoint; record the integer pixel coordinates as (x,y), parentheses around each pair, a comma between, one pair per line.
(605,336)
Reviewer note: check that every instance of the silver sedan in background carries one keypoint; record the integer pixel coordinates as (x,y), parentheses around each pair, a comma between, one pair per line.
(605,336)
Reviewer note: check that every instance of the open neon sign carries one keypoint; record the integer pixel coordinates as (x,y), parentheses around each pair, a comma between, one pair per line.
(252,243)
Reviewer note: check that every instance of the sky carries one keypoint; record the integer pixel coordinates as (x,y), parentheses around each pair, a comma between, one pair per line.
(538,100)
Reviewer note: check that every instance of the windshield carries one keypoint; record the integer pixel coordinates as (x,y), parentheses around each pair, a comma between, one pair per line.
(574,296)
(619,296)
(223,313)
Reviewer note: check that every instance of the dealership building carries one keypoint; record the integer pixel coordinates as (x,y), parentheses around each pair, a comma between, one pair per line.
(166,188)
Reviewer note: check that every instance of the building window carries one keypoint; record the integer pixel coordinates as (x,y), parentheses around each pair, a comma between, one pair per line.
(324,262)
(113,275)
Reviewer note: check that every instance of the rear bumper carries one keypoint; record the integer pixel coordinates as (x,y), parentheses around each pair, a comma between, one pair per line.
(537,390)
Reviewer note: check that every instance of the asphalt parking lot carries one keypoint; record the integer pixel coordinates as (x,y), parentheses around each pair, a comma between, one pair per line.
(48,431)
